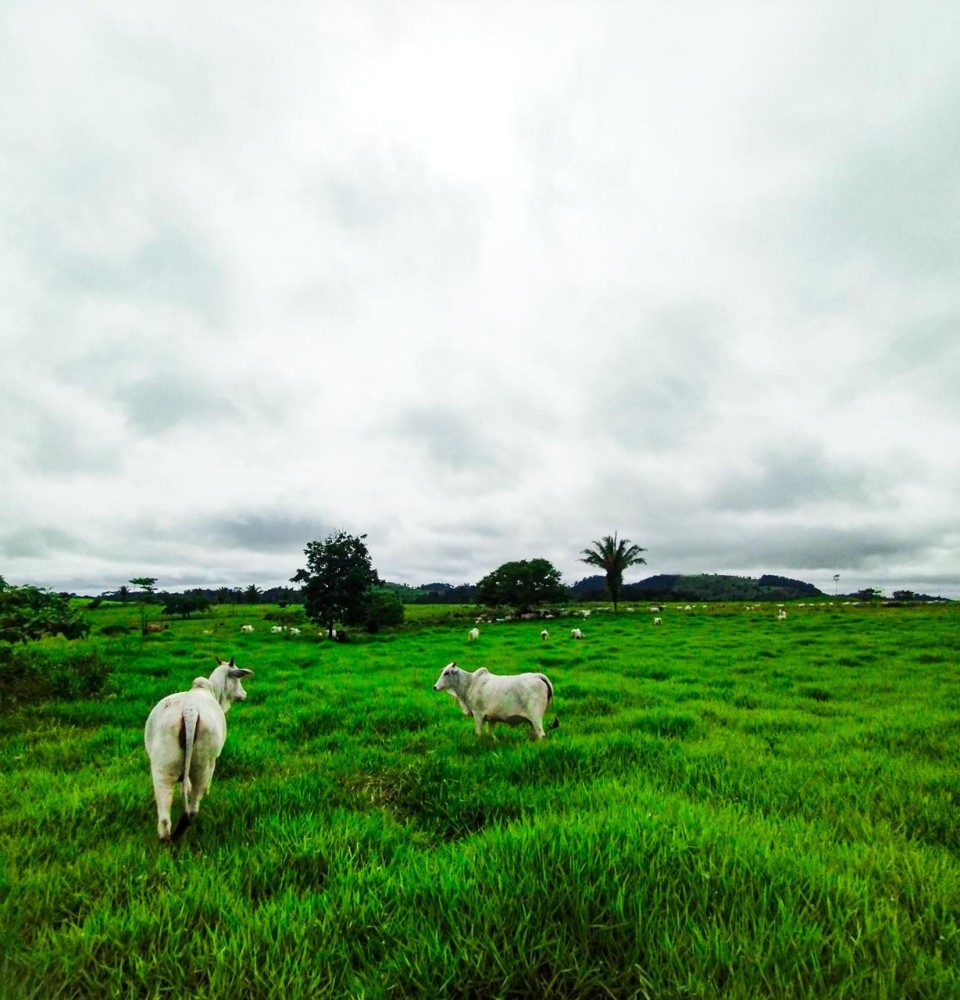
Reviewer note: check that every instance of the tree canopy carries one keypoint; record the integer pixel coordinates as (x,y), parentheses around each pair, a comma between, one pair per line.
(337,581)
(614,556)
(29,613)
(185,605)
(521,585)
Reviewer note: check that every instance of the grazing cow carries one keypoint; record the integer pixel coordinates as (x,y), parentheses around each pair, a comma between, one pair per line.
(781,615)
(473,635)
(657,621)
(183,737)
(575,633)
(544,635)
(246,628)
(276,629)
(294,630)
(514,699)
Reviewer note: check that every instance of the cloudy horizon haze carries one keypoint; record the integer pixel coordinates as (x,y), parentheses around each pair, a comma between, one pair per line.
(483,282)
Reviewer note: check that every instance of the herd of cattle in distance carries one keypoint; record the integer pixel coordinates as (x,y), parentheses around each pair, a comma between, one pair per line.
(185,732)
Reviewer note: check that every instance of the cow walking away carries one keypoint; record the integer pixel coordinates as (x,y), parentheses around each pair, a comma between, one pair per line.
(183,737)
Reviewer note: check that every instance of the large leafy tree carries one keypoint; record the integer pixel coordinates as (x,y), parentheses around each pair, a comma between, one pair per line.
(338,580)
(28,613)
(185,605)
(614,556)
(522,585)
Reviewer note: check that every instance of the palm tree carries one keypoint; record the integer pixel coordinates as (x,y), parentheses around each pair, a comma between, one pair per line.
(613,556)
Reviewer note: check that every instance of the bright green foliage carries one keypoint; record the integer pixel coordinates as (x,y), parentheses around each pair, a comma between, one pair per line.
(36,673)
(337,580)
(614,556)
(521,585)
(733,807)
(30,613)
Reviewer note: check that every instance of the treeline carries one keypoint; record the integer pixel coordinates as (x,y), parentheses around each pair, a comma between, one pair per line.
(661,587)
(208,595)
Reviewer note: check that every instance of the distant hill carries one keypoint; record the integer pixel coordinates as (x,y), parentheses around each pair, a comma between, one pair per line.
(432,593)
(699,587)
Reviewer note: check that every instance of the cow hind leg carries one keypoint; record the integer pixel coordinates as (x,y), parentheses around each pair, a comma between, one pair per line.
(198,787)
(163,794)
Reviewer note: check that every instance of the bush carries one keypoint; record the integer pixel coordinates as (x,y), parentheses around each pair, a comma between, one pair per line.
(35,674)
(385,611)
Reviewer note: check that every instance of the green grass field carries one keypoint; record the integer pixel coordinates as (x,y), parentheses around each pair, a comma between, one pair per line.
(733,806)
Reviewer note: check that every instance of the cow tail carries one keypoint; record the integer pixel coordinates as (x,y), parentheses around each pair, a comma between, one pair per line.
(189,723)
(556,718)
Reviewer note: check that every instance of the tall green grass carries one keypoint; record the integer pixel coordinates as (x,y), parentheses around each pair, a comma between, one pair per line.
(732,807)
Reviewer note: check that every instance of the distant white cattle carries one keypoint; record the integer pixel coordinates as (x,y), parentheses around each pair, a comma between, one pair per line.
(575,633)
(490,698)
(246,628)
(544,635)
(657,621)
(183,737)
(473,635)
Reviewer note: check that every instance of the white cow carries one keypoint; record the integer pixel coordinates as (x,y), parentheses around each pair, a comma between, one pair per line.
(246,628)
(575,633)
(544,635)
(657,621)
(514,699)
(473,635)
(184,735)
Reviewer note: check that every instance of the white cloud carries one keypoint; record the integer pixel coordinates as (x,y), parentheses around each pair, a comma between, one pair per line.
(483,284)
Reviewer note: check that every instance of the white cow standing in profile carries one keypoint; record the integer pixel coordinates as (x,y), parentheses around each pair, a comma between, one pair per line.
(514,699)
(184,735)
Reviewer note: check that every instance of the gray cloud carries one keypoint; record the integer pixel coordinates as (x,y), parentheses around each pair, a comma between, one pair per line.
(791,477)
(262,532)
(482,288)
(157,402)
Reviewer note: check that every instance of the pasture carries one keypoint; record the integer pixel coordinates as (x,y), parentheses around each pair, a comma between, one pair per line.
(733,806)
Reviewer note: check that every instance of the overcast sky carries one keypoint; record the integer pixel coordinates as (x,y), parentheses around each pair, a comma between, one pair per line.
(485,281)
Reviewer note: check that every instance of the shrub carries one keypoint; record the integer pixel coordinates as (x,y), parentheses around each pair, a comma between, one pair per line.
(34,674)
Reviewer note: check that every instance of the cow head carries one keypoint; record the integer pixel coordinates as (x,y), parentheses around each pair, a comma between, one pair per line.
(447,678)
